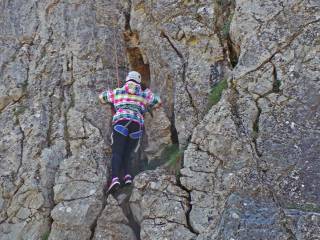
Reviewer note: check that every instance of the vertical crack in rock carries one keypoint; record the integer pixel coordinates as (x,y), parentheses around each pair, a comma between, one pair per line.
(275,89)
(189,206)
(134,53)
(50,123)
(122,197)
(68,91)
(233,99)
(174,132)
(233,52)
(184,63)
(95,222)
(125,206)
(21,147)
(224,11)
(276,82)
(256,129)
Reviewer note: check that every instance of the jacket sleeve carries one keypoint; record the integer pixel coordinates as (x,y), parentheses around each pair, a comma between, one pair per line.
(153,100)
(107,96)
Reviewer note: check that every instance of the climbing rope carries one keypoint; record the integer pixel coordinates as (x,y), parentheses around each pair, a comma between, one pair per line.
(100,85)
(116,55)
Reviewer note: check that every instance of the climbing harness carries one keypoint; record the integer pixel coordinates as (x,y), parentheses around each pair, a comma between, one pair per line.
(136,135)
(123,130)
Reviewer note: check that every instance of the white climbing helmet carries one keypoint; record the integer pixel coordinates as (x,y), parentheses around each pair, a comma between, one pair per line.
(133,75)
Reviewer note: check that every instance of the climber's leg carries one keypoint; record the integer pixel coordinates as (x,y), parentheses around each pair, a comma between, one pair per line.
(118,149)
(127,157)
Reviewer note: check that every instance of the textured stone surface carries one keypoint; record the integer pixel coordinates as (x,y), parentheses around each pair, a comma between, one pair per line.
(254,217)
(160,206)
(261,139)
(251,162)
(187,49)
(53,131)
(158,134)
(113,224)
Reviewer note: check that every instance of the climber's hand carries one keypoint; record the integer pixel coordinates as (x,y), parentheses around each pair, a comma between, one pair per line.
(157,109)
(101,99)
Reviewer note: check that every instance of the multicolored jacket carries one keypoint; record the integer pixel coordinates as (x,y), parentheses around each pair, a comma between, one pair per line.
(130,102)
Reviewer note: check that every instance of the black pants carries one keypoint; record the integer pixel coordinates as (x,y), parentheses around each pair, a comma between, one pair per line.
(122,149)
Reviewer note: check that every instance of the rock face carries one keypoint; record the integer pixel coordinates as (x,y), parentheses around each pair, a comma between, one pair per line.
(54,134)
(250,164)
(113,224)
(257,149)
(160,206)
(188,58)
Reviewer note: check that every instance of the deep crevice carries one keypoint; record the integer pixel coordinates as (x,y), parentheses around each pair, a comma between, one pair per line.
(67,90)
(184,63)
(234,52)
(276,82)
(136,59)
(125,206)
(256,129)
(179,184)
(95,222)
(21,147)
(136,63)
(224,11)
(174,132)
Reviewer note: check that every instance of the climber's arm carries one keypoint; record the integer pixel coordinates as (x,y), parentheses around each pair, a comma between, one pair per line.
(107,97)
(153,100)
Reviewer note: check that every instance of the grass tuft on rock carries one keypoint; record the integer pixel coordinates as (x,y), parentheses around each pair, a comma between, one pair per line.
(19,110)
(216,92)
(45,236)
(307,207)
(173,156)
(226,27)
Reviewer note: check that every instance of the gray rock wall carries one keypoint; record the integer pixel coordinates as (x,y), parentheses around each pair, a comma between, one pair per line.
(185,56)
(251,162)
(55,56)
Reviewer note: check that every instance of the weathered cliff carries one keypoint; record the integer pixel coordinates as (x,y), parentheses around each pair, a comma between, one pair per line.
(250,163)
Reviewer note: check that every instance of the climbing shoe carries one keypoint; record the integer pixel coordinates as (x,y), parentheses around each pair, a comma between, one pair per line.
(114,185)
(127,179)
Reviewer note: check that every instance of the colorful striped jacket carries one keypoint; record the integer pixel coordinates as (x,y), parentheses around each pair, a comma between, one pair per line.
(130,102)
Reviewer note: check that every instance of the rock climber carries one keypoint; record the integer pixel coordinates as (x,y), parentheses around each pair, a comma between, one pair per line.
(130,103)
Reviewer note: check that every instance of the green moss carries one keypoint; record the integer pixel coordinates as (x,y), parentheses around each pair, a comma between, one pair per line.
(256,125)
(173,156)
(19,110)
(276,86)
(308,207)
(226,27)
(216,92)
(45,236)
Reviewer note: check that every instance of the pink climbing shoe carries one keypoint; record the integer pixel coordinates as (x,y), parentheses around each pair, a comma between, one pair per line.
(114,185)
(127,179)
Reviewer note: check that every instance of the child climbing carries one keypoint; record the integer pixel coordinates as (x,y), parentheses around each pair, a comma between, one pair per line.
(130,103)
